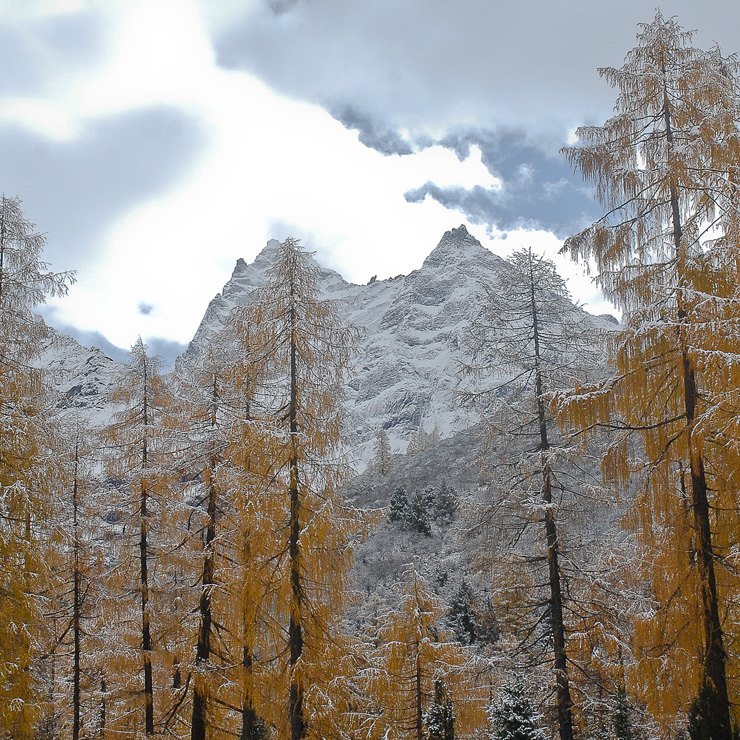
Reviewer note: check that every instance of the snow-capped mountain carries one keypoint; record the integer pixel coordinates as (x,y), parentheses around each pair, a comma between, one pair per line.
(405,374)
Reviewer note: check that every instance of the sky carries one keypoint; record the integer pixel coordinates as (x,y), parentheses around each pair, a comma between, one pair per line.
(155,142)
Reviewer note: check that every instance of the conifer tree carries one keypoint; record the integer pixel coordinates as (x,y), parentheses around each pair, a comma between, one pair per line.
(76,584)
(513,717)
(27,469)
(302,351)
(206,428)
(440,717)
(665,169)
(142,459)
(399,506)
(525,343)
(383,460)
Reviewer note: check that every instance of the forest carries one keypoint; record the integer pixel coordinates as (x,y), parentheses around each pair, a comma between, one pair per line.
(186,568)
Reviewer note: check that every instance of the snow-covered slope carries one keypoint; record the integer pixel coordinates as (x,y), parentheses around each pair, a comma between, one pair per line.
(406,370)
(82,377)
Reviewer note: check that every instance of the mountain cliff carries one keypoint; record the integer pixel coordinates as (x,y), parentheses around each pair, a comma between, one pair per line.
(405,374)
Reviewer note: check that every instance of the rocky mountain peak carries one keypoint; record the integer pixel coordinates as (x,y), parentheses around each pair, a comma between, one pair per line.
(457,246)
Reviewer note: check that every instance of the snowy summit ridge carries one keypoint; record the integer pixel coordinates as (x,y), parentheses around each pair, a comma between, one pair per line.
(405,374)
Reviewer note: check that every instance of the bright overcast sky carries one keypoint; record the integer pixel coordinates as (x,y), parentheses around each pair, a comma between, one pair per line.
(157,141)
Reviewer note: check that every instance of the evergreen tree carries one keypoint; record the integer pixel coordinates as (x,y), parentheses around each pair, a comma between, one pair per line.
(461,615)
(399,507)
(622,723)
(445,504)
(665,168)
(420,511)
(440,717)
(512,716)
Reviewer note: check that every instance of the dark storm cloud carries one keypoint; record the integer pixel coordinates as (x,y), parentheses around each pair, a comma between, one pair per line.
(73,190)
(371,133)
(34,52)
(537,191)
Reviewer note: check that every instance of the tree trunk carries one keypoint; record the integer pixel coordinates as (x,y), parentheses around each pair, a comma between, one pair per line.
(146,638)
(249,715)
(563,698)
(295,629)
(76,606)
(203,648)
(715,658)
(419,698)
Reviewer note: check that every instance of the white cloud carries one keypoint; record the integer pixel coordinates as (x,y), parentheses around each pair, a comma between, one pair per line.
(274,163)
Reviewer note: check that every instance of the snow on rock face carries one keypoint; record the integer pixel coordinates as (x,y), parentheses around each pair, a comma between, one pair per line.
(405,373)
(404,376)
(83,378)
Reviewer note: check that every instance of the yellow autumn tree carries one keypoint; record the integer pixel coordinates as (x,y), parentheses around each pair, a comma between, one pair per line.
(232,671)
(302,352)
(144,676)
(665,169)
(27,464)
(415,655)
(75,552)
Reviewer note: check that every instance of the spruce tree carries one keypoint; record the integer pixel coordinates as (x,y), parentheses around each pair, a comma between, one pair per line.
(512,716)
(440,717)
(399,506)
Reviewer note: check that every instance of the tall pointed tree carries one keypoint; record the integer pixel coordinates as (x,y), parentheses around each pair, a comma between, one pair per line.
(526,342)
(27,469)
(142,460)
(665,167)
(303,352)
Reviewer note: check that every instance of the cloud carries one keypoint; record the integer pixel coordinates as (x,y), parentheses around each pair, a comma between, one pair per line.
(372,134)
(145,309)
(534,191)
(74,189)
(431,66)
(38,48)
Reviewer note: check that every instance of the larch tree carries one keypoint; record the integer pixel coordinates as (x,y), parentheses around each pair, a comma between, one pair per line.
(415,657)
(303,351)
(665,168)
(142,446)
(383,459)
(75,598)
(526,342)
(27,469)
(210,428)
